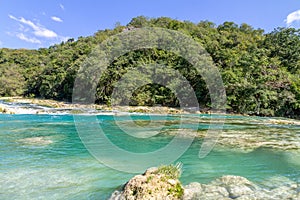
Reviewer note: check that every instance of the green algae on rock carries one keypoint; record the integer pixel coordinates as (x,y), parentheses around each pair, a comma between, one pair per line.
(155,183)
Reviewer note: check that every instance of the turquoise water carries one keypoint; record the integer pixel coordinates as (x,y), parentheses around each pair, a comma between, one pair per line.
(42,156)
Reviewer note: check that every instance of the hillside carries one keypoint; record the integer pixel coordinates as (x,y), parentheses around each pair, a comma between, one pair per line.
(260,71)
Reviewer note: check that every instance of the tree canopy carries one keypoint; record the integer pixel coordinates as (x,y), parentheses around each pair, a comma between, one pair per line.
(260,71)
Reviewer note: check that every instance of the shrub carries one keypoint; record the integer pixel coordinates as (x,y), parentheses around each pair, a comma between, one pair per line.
(170,171)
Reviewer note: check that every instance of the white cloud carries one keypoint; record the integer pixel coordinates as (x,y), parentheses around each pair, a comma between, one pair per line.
(64,38)
(38,30)
(21,36)
(57,19)
(292,17)
(62,6)
(22,28)
(9,33)
(1,43)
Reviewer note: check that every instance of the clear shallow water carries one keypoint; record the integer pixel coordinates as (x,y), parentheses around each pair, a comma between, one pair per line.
(42,156)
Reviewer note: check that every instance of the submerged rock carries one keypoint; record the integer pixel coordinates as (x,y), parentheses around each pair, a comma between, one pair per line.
(196,190)
(249,139)
(240,188)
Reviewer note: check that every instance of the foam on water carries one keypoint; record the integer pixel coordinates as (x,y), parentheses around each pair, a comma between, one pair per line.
(36,141)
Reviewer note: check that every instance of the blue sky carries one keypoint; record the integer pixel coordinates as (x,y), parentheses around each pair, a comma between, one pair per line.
(41,23)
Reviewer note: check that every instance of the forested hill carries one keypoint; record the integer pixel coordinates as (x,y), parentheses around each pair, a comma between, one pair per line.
(261,71)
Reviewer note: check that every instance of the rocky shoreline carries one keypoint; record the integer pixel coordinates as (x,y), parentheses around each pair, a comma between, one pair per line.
(276,133)
(154,186)
(20,105)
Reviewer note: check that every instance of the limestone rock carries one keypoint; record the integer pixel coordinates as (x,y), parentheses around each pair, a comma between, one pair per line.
(240,188)
(151,185)
(195,191)
(157,186)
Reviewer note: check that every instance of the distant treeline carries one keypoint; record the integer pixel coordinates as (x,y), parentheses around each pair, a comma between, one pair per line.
(260,71)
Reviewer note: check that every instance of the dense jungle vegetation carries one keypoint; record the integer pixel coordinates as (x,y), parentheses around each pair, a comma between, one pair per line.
(260,71)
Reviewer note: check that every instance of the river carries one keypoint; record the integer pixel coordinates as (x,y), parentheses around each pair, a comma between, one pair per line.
(43,156)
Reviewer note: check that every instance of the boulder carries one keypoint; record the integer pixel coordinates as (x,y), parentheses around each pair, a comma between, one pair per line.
(157,184)
(152,185)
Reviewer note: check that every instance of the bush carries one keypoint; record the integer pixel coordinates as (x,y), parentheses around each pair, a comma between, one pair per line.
(170,171)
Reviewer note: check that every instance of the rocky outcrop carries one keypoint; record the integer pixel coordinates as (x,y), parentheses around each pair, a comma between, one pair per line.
(152,185)
(158,186)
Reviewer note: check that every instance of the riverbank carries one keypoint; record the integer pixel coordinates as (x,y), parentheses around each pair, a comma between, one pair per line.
(20,105)
(260,132)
